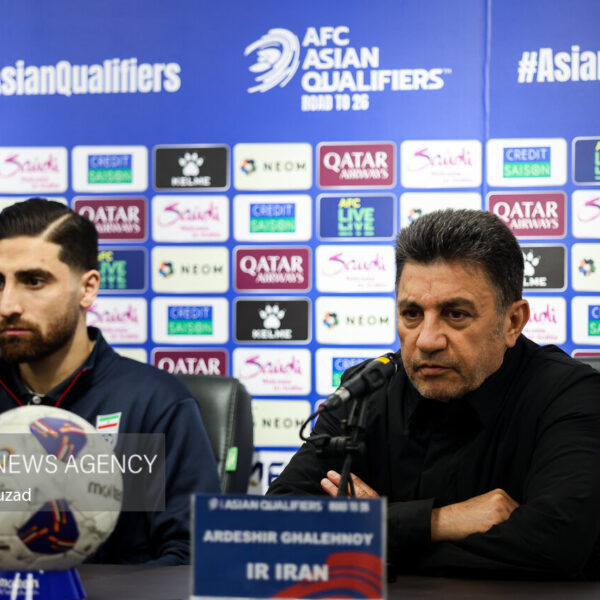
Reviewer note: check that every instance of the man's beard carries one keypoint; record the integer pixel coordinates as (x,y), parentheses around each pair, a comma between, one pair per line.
(34,346)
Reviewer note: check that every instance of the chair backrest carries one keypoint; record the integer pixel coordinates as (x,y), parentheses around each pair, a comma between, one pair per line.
(593,361)
(226,410)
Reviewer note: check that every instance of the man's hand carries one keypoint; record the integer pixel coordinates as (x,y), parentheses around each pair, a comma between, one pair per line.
(475,515)
(332,481)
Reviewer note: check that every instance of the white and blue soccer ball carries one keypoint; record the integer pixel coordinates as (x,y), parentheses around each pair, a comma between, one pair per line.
(56,507)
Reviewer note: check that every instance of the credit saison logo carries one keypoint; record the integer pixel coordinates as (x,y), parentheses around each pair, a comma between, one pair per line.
(339,364)
(336,75)
(272,217)
(109,168)
(112,76)
(594,319)
(527,162)
(547,65)
(190,320)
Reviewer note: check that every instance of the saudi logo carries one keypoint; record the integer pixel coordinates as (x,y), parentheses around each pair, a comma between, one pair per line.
(587,266)
(277,59)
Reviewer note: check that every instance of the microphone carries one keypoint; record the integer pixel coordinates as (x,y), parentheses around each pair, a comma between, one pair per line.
(370,378)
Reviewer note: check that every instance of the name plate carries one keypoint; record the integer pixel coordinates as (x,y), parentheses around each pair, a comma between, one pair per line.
(287,547)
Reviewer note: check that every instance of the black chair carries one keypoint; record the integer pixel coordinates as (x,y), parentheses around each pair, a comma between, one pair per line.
(592,361)
(226,410)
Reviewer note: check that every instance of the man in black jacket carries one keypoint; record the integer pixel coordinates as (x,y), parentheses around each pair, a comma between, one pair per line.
(48,279)
(486,445)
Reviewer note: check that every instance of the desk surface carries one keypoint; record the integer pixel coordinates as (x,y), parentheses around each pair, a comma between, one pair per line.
(127,582)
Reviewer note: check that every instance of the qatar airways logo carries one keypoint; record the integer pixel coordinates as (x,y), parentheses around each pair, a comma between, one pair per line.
(355,268)
(441,163)
(357,165)
(547,321)
(273,372)
(115,219)
(33,170)
(272,268)
(190,219)
(190,362)
(122,320)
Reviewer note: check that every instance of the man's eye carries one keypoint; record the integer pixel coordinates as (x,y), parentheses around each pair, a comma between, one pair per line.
(410,314)
(34,281)
(457,315)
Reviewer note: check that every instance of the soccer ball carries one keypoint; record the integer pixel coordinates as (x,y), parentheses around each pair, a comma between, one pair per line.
(54,509)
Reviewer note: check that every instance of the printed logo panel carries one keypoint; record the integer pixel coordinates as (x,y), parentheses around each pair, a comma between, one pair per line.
(544,268)
(532,214)
(138,354)
(547,320)
(272,166)
(357,165)
(200,167)
(585,267)
(358,320)
(190,320)
(272,320)
(363,217)
(177,269)
(190,218)
(352,268)
(586,161)
(122,269)
(330,364)
(115,219)
(440,163)
(416,204)
(122,320)
(259,269)
(589,353)
(109,168)
(277,422)
(530,162)
(585,315)
(273,372)
(190,361)
(272,218)
(586,213)
(266,467)
(33,170)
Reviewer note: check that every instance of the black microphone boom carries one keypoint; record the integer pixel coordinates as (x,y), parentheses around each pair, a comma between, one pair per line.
(370,378)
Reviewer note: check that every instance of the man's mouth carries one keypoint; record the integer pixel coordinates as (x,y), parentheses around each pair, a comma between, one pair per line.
(14,331)
(432,369)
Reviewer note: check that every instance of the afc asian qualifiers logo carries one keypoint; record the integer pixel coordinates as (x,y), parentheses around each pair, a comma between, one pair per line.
(189,361)
(277,59)
(115,219)
(531,214)
(122,269)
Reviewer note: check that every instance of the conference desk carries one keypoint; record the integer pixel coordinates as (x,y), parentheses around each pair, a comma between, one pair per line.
(125,582)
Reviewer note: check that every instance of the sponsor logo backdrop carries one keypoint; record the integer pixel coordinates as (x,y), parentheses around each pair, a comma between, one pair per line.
(247,200)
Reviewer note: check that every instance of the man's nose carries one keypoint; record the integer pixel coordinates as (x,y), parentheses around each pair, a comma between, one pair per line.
(431,335)
(10,302)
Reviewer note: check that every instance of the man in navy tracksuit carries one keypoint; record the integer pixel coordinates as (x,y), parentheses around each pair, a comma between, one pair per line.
(48,280)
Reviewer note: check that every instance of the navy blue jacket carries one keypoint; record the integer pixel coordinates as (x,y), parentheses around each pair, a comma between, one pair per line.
(150,401)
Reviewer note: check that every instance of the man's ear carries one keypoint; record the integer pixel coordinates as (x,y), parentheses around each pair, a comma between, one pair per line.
(516,318)
(89,287)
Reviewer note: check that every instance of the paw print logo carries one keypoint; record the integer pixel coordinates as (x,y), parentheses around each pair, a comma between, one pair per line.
(271,316)
(190,162)
(530,263)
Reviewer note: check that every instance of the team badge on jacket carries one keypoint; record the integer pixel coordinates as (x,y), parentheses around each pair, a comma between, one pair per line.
(108,426)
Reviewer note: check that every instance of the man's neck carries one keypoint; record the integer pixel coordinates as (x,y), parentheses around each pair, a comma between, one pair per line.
(45,374)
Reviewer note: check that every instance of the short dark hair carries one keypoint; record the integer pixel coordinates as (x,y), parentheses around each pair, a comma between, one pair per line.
(473,236)
(74,233)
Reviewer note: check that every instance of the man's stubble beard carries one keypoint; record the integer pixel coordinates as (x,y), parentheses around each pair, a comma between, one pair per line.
(36,346)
